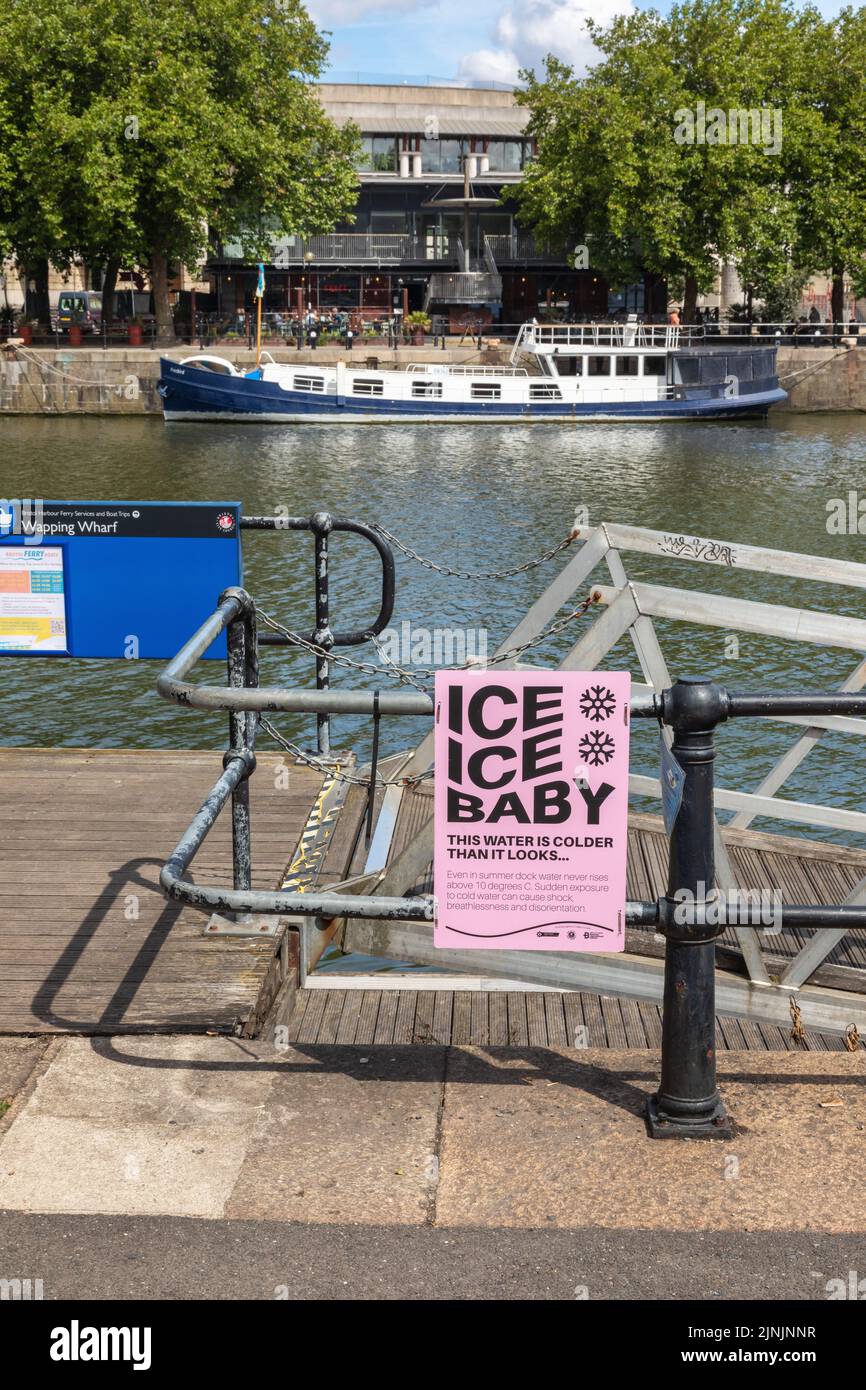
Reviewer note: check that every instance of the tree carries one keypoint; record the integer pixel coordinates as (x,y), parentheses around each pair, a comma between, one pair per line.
(144,128)
(829,180)
(641,157)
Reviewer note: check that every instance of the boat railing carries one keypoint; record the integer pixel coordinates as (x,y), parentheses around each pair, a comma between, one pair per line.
(451,369)
(620,335)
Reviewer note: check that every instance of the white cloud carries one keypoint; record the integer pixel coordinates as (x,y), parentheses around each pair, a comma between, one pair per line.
(530,29)
(329,14)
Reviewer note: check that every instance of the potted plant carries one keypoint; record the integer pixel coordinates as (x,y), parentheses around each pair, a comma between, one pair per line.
(25,329)
(134,328)
(418,324)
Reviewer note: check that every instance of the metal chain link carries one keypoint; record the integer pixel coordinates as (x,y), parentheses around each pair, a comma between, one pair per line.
(392,670)
(330,771)
(469,574)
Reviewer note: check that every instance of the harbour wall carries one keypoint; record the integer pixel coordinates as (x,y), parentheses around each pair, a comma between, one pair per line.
(123,381)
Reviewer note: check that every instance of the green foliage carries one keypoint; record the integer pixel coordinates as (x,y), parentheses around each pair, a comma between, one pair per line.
(615,168)
(142,128)
(782,297)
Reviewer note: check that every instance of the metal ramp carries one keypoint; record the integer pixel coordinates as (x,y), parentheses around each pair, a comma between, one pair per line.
(759,973)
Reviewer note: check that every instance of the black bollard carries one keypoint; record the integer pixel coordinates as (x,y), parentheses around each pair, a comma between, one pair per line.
(687,1104)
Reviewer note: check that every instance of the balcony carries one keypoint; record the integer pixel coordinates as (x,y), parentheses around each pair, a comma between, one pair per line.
(465,287)
(353,248)
(522,247)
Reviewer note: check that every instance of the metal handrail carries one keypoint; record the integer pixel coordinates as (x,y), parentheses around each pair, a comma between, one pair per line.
(688,1103)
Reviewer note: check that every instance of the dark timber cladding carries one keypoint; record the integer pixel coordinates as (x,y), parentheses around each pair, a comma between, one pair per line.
(88,943)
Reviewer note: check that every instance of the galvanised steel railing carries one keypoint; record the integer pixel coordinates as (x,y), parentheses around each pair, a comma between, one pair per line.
(691,915)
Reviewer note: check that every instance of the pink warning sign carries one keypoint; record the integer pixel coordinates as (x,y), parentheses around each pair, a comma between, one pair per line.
(531,809)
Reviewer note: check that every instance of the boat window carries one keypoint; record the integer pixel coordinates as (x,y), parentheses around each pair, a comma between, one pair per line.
(654,366)
(687,370)
(485,391)
(627,366)
(224,368)
(426,388)
(309,383)
(545,392)
(569,366)
(367,386)
(598,366)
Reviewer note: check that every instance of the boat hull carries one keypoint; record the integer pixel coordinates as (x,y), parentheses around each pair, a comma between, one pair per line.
(192,393)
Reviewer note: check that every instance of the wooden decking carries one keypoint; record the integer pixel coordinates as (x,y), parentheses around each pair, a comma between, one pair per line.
(803,870)
(489,1018)
(88,944)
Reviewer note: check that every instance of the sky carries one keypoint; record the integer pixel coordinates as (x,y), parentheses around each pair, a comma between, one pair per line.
(481,39)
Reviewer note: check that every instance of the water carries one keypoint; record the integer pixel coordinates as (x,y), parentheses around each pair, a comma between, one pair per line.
(477,497)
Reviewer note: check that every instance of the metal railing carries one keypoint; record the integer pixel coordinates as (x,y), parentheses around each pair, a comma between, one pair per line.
(522,246)
(466,287)
(691,915)
(594,335)
(366,248)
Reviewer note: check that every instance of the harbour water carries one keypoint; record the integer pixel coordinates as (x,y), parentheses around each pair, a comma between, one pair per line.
(475,498)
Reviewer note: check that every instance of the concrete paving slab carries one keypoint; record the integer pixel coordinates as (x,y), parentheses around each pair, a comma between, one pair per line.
(181,1080)
(147,1125)
(65,1165)
(346,1135)
(556,1138)
(18,1057)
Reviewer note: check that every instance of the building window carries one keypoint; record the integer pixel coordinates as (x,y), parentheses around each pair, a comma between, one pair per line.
(627,366)
(378,154)
(309,383)
(426,388)
(339,291)
(506,156)
(442,156)
(545,392)
(485,391)
(367,386)
(598,366)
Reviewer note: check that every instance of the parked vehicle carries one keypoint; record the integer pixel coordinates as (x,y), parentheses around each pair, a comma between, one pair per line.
(80,307)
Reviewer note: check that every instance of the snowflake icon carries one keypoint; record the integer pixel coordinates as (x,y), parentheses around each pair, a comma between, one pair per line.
(597,747)
(597,702)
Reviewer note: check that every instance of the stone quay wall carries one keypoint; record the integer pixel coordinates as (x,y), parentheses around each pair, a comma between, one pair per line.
(123,381)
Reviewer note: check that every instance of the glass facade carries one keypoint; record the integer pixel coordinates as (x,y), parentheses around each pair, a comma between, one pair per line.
(378,154)
(442,156)
(506,156)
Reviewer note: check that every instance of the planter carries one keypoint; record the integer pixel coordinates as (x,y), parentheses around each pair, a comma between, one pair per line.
(134,332)
(418,337)
(25,333)
(75,335)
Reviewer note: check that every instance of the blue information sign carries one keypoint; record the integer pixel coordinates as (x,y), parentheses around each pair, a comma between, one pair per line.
(114,579)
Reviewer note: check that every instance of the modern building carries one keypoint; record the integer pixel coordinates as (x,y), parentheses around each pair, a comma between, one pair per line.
(434,226)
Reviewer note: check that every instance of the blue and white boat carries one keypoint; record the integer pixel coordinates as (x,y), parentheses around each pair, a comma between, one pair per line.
(571,372)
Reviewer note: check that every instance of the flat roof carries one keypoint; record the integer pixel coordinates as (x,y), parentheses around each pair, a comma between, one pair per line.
(394,109)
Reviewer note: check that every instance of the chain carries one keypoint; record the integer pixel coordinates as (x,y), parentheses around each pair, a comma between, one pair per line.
(58,371)
(329,770)
(393,671)
(470,574)
(389,668)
